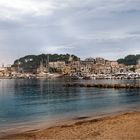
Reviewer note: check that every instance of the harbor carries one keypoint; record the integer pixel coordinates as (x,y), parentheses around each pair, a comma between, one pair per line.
(69,69)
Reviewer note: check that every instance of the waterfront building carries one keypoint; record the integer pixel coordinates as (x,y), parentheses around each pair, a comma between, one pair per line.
(107,63)
(66,70)
(75,66)
(86,68)
(95,66)
(114,64)
(138,67)
(114,67)
(102,69)
(57,64)
(100,60)
(5,71)
(122,68)
(90,59)
(42,68)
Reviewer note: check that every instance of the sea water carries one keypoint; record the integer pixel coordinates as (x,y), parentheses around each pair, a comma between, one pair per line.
(26,102)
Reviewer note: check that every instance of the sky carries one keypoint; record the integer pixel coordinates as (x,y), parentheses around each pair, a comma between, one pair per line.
(86,28)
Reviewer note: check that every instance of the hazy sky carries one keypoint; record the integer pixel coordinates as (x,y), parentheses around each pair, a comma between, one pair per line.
(107,28)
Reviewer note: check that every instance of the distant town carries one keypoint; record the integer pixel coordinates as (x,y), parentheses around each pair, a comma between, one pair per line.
(53,66)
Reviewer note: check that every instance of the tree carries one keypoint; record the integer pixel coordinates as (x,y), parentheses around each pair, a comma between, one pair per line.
(129,60)
(32,62)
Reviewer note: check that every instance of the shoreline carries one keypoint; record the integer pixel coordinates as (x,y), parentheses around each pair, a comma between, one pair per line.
(81,124)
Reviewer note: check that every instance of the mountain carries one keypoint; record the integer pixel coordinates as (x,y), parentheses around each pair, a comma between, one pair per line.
(129,60)
(31,62)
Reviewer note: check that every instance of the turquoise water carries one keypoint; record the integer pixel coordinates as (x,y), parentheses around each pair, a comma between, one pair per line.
(25,102)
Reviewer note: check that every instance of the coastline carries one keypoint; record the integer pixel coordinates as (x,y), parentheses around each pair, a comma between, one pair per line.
(123,125)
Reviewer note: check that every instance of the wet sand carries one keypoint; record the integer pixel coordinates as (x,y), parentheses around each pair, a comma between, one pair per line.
(124,126)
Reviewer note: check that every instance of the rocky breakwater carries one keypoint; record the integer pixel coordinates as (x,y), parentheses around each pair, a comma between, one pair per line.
(115,86)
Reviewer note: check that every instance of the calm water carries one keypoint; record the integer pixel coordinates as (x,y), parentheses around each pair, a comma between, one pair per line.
(26,102)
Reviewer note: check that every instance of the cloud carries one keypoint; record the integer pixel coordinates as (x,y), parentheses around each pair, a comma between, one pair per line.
(107,28)
(58,49)
(16,9)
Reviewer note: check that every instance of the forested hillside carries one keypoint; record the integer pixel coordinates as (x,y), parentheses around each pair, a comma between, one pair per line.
(30,62)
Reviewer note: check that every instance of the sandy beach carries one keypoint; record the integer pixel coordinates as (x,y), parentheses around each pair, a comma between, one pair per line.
(124,126)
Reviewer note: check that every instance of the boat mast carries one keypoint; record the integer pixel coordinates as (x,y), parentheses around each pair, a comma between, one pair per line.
(48,63)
